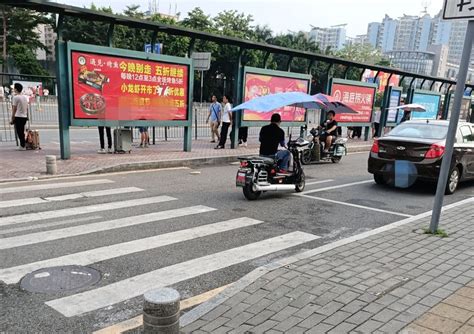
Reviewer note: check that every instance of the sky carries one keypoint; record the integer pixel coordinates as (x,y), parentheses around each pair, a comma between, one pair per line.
(290,15)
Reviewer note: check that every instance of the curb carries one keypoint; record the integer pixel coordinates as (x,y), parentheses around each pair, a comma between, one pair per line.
(126,167)
(204,308)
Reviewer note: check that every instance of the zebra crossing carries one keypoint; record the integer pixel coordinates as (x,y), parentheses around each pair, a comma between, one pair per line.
(18,235)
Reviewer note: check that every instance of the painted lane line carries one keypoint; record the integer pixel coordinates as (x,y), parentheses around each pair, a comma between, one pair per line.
(335,187)
(35,238)
(135,286)
(355,205)
(63,222)
(136,322)
(53,186)
(319,182)
(41,200)
(98,193)
(14,274)
(80,210)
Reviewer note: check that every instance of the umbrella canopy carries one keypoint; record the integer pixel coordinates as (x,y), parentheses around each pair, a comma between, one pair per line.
(412,107)
(271,102)
(330,103)
(295,99)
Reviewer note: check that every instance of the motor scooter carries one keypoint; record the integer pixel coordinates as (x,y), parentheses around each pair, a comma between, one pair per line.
(260,174)
(314,152)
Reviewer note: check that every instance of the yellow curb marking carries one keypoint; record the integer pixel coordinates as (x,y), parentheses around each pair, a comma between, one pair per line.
(138,320)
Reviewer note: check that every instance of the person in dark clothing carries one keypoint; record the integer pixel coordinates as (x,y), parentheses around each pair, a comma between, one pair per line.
(102,142)
(330,128)
(243,134)
(271,136)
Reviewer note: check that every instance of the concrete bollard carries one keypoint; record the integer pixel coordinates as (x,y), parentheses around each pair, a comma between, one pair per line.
(51,167)
(161,311)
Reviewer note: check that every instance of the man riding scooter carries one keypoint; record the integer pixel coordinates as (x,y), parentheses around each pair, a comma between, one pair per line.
(271,136)
(330,130)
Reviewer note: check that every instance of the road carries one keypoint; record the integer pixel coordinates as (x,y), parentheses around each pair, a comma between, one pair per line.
(153,228)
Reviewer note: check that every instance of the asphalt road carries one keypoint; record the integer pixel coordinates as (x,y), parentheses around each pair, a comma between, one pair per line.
(340,200)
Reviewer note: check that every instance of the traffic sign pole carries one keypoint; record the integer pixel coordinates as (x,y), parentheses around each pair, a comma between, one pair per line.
(453,124)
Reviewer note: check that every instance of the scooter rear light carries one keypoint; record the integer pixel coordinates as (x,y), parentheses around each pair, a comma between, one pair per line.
(375,147)
(273,171)
(435,151)
(244,163)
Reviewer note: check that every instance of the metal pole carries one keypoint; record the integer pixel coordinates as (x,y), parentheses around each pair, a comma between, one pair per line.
(453,124)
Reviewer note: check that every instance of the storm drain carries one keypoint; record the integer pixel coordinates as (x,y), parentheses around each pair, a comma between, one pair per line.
(60,279)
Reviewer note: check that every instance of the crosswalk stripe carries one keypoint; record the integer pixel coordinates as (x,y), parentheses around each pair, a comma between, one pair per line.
(41,200)
(80,210)
(62,222)
(14,274)
(35,238)
(53,186)
(134,286)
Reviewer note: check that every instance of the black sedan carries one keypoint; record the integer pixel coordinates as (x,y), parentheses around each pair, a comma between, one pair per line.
(414,150)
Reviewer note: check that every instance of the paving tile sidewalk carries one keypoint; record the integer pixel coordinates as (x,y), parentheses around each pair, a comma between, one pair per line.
(24,164)
(399,280)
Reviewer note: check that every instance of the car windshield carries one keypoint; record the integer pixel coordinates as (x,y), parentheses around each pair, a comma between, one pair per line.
(420,130)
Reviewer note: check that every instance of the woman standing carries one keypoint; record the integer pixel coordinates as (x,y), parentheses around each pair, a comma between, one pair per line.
(226,122)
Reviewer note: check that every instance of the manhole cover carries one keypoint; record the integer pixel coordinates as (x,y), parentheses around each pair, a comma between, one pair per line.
(60,279)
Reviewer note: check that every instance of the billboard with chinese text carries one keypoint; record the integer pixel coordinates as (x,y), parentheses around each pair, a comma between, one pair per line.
(360,97)
(117,88)
(430,101)
(260,84)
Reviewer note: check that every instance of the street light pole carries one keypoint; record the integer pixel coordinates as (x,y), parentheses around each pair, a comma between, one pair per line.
(453,125)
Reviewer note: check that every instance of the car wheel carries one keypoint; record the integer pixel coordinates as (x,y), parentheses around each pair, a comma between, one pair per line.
(453,181)
(380,179)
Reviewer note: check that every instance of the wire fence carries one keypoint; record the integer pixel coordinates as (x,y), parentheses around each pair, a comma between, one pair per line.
(44,113)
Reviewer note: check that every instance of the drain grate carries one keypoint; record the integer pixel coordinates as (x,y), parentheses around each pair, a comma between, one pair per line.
(60,279)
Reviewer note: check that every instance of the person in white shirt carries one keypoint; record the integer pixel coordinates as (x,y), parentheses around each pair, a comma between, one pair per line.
(19,114)
(376,123)
(226,122)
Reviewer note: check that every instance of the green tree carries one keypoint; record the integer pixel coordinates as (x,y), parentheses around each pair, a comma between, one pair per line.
(21,39)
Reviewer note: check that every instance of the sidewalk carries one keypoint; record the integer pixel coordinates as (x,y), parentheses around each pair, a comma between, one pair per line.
(84,158)
(389,280)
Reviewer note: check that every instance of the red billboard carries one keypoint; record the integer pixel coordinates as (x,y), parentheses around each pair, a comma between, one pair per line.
(256,85)
(126,89)
(359,98)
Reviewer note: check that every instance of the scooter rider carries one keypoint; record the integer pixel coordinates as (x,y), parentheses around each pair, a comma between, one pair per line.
(271,136)
(330,128)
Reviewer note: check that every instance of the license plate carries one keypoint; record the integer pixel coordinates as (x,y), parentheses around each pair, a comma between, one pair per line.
(240,180)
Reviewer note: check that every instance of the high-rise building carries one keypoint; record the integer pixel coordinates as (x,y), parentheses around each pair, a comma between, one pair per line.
(440,61)
(47,36)
(373,31)
(386,34)
(413,33)
(333,37)
(420,62)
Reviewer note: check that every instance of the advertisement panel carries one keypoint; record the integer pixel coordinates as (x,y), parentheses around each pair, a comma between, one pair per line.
(256,85)
(465,112)
(430,102)
(360,98)
(382,79)
(393,102)
(125,89)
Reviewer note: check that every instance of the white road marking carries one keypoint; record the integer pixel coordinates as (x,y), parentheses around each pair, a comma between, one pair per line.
(355,205)
(80,210)
(319,182)
(53,186)
(334,187)
(35,238)
(134,286)
(40,200)
(14,274)
(62,222)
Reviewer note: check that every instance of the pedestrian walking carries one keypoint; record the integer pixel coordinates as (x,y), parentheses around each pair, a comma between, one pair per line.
(243,134)
(19,114)
(215,118)
(102,141)
(226,122)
